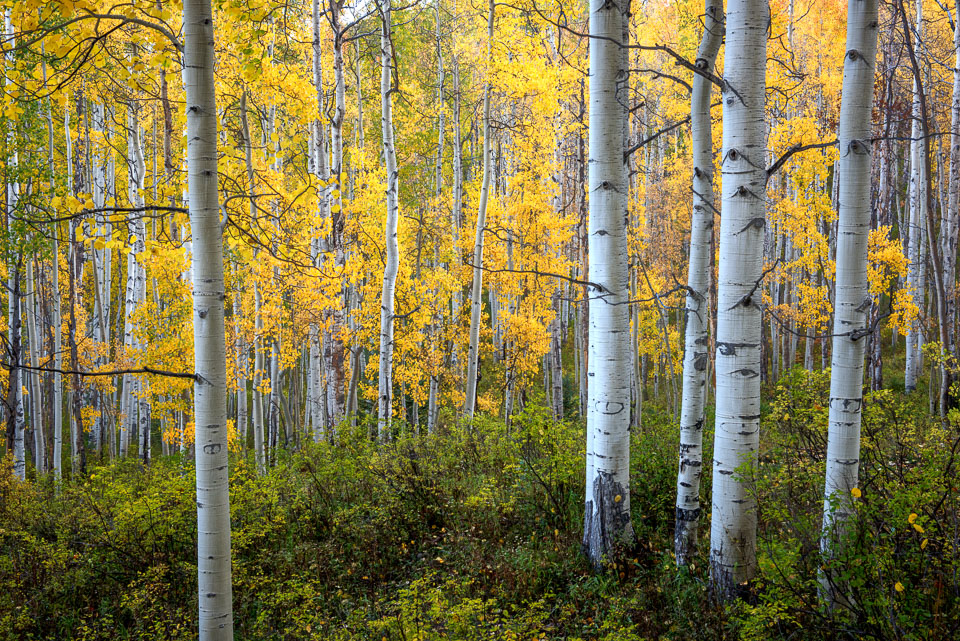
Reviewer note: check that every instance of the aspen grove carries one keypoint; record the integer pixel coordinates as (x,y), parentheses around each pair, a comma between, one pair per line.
(474,319)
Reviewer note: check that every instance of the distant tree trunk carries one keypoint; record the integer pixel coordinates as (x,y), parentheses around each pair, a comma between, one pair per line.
(696,352)
(55,320)
(34,340)
(607,523)
(476,298)
(734,520)
(392,264)
(950,228)
(210,388)
(333,342)
(918,204)
(434,393)
(852,305)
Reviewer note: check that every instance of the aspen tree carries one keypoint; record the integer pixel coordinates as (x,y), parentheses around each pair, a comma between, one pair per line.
(333,343)
(392,263)
(734,513)
(699,274)
(476,299)
(432,400)
(57,400)
(917,197)
(15,419)
(607,521)
(852,302)
(950,227)
(210,388)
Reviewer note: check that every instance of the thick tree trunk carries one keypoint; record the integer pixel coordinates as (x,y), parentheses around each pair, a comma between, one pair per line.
(210,389)
(607,523)
(852,305)
(697,342)
(734,520)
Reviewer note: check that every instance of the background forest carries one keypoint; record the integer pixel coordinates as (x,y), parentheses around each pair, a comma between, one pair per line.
(319,314)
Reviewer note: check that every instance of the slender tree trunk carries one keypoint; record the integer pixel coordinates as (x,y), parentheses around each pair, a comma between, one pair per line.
(734,521)
(391,267)
(34,340)
(476,299)
(607,522)
(696,352)
(950,229)
(210,389)
(918,204)
(333,341)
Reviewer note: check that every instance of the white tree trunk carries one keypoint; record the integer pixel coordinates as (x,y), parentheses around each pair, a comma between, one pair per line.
(34,340)
(16,422)
(734,520)
(852,305)
(333,343)
(57,400)
(697,343)
(385,382)
(950,226)
(918,205)
(607,521)
(476,298)
(210,389)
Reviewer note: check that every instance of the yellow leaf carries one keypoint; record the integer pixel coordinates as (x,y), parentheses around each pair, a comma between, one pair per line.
(898,586)
(856,492)
(912,518)
(923,544)
(918,528)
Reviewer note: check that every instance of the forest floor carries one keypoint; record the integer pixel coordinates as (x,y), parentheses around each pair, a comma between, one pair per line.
(474,533)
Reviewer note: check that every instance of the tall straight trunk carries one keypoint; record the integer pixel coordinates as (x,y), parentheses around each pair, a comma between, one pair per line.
(210,388)
(16,423)
(434,390)
(392,264)
(918,202)
(950,228)
(243,360)
(57,400)
(476,300)
(734,522)
(258,446)
(697,341)
(99,257)
(852,305)
(456,212)
(15,418)
(607,521)
(333,342)
(34,341)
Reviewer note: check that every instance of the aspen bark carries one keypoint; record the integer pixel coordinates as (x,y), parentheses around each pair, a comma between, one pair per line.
(950,229)
(607,523)
(210,388)
(734,520)
(392,264)
(853,303)
(697,342)
(476,300)
(918,203)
